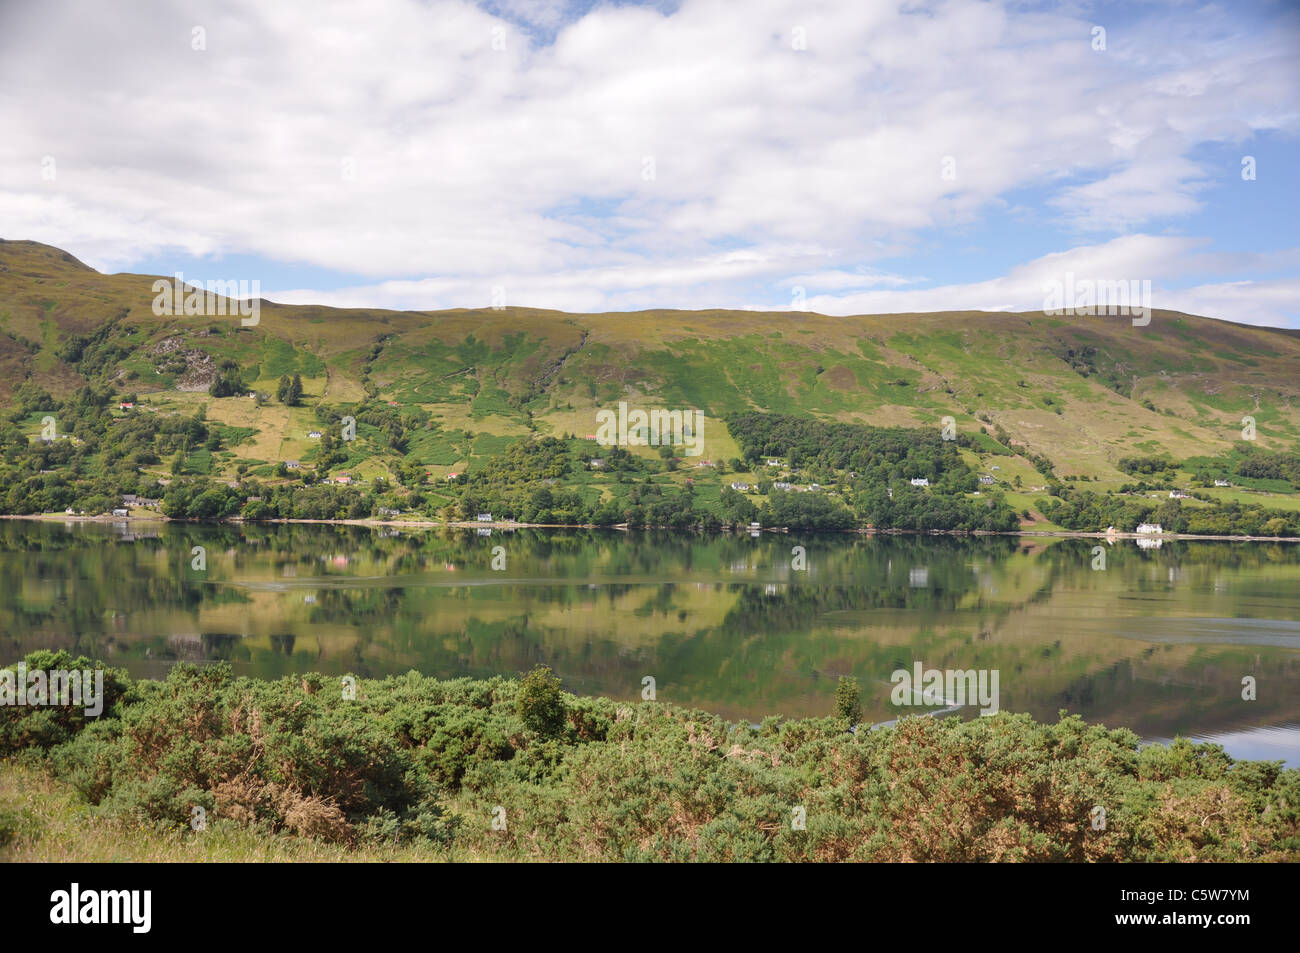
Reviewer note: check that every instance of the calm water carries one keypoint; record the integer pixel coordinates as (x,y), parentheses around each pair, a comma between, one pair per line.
(1158,641)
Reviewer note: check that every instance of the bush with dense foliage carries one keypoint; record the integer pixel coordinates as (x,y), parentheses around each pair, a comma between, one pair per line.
(415,759)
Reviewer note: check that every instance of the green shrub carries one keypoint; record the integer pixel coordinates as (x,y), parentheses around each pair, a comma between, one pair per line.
(540,704)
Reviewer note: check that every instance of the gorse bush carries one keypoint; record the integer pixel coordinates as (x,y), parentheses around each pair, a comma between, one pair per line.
(413,759)
(541,707)
(848,700)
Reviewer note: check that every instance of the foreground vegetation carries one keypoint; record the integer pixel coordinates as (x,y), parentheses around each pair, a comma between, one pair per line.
(415,768)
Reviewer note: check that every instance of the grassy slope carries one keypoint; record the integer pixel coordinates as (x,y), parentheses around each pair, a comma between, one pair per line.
(488,376)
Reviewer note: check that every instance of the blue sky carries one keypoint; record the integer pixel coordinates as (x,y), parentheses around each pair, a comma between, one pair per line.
(596,156)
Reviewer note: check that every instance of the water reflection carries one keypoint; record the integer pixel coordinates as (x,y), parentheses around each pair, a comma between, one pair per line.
(1159,640)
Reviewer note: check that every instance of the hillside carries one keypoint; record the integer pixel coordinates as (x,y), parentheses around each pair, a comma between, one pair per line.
(1081,392)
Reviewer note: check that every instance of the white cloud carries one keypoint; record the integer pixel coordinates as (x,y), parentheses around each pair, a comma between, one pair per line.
(476,166)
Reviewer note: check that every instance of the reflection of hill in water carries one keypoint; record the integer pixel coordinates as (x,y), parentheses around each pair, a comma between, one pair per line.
(1158,641)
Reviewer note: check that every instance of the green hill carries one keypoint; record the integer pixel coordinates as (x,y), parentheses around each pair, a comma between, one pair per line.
(1081,392)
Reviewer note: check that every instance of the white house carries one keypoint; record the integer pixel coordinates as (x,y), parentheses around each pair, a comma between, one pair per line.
(920,481)
(1222,483)
(1177,495)
(1149,528)
(986,480)
(313,435)
(485,517)
(740,487)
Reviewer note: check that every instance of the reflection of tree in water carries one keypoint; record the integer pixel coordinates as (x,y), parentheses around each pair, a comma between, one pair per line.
(224,646)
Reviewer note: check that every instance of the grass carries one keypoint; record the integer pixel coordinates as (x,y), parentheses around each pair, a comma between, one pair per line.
(45,821)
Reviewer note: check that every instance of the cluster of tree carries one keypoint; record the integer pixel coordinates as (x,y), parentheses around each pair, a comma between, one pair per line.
(289,390)
(1147,465)
(875,454)
(1088,511)
(230,382)
(100,460)
(916,510)
(1269,465)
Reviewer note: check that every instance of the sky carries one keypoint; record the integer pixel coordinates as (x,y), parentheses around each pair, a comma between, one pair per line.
(839,157)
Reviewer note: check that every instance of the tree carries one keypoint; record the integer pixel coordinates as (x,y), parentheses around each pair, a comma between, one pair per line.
(847,700)
(539,703)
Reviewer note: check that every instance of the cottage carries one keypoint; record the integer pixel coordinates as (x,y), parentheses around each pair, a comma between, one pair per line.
(1177,495)
(1149,528)
(596,463)
(485,517)
(920,481)
(452,476)
(121,512)
(740,487)
(313,435)
(1222,483)
(385,511)
(773,463)
(126,405)
(291,464)
(343,478)
(779,485)
(986,479)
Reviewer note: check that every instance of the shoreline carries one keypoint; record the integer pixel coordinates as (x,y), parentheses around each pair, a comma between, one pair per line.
(624,527)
